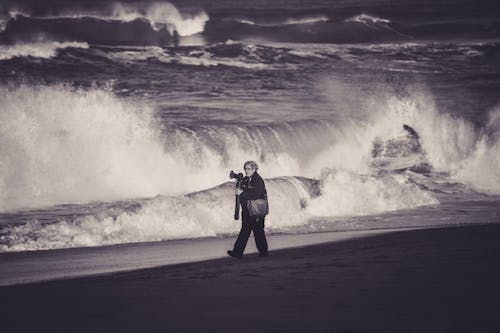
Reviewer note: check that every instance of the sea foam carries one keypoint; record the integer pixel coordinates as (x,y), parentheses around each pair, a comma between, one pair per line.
(43,49)
(159,14)
(482,168)
(66,145)
(345,193)
(210,213)
(450,144)
(62,145)
(368,19)
(284,22)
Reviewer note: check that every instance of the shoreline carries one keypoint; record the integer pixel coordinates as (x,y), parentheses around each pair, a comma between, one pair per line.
(425,280)
(69,263)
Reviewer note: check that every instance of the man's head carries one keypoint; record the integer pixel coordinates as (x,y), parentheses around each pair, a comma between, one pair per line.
(250,167)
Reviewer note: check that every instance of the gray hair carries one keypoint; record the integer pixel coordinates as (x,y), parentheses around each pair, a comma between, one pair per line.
(252,164)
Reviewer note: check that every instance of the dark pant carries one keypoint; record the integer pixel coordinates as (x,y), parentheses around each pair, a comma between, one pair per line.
(249,224)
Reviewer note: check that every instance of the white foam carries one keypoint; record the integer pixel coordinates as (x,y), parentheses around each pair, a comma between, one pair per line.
(347,193)
(198,58)
(446,140)
(245,21)
(481,169)
(210,213)
(219,62)
(65,145)
(288,21)
(450,144)
(162,14)
(62,145)
(159,14)
(367,19)
(306,20)
(374,22)
(45,49)
(3,22)
(204,214)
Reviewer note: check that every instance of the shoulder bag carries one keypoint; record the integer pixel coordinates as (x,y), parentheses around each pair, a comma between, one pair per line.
(259,207)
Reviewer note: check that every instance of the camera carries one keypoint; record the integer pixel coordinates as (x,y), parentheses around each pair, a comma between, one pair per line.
(242,182)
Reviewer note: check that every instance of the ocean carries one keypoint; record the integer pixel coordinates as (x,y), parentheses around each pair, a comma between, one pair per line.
(120,121)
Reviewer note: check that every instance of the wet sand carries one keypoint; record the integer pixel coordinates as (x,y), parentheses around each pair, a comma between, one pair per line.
(37,266)
(432,280)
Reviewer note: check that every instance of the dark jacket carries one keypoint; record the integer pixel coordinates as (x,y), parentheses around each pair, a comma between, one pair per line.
(255,190)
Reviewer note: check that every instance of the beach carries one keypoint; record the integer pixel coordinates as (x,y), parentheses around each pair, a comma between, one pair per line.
(374,125)
(427,280)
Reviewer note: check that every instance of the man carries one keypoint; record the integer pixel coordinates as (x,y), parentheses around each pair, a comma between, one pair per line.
(255,190)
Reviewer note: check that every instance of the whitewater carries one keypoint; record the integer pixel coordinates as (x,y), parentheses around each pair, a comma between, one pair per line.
(120,122)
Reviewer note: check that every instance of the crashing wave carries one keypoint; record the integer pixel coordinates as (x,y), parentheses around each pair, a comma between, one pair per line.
(70,145)
(102,147)
(345,193)
(209,213)
(159,15)
(432,140)
(481,169)
(44,50)
(376,23)
(66,145)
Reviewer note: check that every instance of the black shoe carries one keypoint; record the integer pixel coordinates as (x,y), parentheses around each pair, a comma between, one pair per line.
(233,254)
(264,254)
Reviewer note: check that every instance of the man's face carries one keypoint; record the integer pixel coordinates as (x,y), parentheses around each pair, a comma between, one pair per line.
(249,170)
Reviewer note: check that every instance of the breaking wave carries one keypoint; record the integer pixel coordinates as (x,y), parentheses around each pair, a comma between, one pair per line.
(390,132)
(282,22)
(67,145)
(146,22)
(46,49)
(375,22)
(158,14)
(209,213)
(346,193)
(481,169)
(248,58)
(368,19)
(115,23)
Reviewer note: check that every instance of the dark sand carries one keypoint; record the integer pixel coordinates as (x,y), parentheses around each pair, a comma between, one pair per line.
(433,280)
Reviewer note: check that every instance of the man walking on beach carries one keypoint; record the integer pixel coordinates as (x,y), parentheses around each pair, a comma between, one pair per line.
(256,189)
